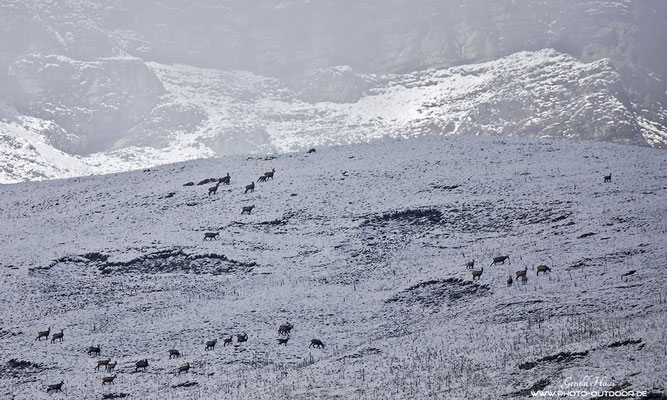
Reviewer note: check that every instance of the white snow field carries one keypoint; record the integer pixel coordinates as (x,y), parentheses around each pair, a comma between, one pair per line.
(363,247)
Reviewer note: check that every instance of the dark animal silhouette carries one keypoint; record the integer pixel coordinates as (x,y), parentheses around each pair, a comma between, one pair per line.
(247,209)
(285,329)
(57,335)
(607,178)
(227,341)
(94,350)
(250,187)
(242,338)
(543,268)
(270,174)
(311,151)
(184,368)
(524,279)
(58,387)
(102,363)
(509,281)
(283,341)
(213,189)
(477,274)
(43,334)
(316,343)
(211,235)
(500,260)
(111,366)
(261,178)
(174,354)
(210,345)
(225,180)
(108,379)
(141,364)
(470,264)
(521,273)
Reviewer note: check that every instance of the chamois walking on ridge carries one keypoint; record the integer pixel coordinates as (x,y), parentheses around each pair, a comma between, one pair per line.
(184,368)
(247,209)
(225,180)
(227,341)
(213,189)
(174,354)
(477,274)
(141,364)
(470,264)
(316,343)
(261,178)
(285,329)
(242,338)
(607,178)
(509,281)
(102,363)
(250,187)
(43,334)
(211,235)
(521,273)
(543,268)
(111,366)
(58,387)
(108,379)
(283,341)
(57,335)
(94,350)
(270,173)
(500,260)
(210,345)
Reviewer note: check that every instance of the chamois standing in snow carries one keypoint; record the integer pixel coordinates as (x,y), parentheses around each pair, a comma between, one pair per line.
(213,189)
(285,329)
(247,209)
(250,187)
(316,343)
(521,273)
(43,334)
(211,235)
(210,345)
(102,363)
(57,335)
(477,274)
(94,350)
(242,338)
(184,368)
(108,379)
(111,366)
(607,178)
(283,341)
(227,341)
(470,264)
(174,354)
(141,364)
(500,260)
(270,174)
(225,180)
(524,279)
(509,281)
(543,268)
(261,178)
(58,387)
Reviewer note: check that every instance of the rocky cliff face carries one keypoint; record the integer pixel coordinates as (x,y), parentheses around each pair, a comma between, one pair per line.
(84,68)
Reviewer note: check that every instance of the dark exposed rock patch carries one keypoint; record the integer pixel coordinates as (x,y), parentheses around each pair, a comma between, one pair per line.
(436,292)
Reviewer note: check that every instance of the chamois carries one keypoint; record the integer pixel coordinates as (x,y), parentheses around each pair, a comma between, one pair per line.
(174,354)
(524,279)
(247,209)
(500,260)
(540,268)
(56,388)
(270,174)
(285,329)
(210,345)
(225,180)
(261,178)
(213,189)
(102,363)
(108,379)
(242,338)
(184,368)
(607,178)
(509,281)
(57,335)
(211,235)
(94,350)
(311,151)
(477,274)
(43,334)
(283,341)
(227,341)
(250,187)
(519,274)
(316,343)
(470,264)
(141,364)
(111,366)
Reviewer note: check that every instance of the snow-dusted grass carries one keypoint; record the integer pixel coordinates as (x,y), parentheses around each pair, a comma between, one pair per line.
(362,247)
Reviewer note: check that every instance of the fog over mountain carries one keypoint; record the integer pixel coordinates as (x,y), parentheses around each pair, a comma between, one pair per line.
(102,86)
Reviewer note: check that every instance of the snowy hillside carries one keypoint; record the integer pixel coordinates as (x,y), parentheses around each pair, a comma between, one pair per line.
(205,112)
(363,247)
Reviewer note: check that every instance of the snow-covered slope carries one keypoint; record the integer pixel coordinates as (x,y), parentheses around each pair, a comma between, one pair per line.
(206,112)
(363,247)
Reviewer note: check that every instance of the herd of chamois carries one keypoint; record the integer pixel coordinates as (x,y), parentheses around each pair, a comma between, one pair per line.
(109,367)
(521,274)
